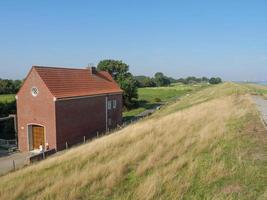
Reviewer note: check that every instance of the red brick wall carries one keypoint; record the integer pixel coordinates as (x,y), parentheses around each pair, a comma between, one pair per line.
(76,118)
(36,110)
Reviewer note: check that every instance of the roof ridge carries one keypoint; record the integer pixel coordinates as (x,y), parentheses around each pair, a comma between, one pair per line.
(38,66)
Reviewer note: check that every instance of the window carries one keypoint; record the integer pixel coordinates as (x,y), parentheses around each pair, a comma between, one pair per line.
(114,104)
(109,121)
(34,91)
(109,105)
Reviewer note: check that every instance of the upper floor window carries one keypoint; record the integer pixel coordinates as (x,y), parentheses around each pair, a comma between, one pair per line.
(34,91)
(114,104)
(109,105)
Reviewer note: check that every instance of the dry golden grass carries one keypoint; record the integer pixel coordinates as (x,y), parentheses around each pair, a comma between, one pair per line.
(194,153)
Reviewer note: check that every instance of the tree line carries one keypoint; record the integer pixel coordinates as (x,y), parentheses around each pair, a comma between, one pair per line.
(160,80)
(192,80)
(8,86)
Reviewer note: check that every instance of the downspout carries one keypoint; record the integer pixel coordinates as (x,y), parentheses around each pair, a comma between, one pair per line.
(106,113)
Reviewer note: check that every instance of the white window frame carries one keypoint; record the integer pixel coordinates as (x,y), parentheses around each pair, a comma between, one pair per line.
(114,104)
(34,91)
(109,104)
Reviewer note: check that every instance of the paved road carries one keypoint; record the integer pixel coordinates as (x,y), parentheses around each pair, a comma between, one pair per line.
(262,107)
(6,162)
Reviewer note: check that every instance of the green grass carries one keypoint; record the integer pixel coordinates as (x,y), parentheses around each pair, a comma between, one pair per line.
(7,98)
(257,89)
(151,97)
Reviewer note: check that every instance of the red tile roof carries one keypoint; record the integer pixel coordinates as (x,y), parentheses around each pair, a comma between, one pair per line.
(70,82)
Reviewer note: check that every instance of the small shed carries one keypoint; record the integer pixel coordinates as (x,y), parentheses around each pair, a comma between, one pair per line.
(56,106)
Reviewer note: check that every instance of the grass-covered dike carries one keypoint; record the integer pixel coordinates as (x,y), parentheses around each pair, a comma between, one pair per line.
(209,145)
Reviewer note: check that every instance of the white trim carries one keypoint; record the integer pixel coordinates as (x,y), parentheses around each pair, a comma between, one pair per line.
(30,124)
(109,104)
(34,91)
(114,103)
(89,96)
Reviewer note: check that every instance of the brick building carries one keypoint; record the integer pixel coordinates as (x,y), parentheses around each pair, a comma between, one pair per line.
(59,105)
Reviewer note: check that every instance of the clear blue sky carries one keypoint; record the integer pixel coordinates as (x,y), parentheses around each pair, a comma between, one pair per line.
(180,38)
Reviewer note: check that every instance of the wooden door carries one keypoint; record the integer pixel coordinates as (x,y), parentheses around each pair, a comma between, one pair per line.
(37,136)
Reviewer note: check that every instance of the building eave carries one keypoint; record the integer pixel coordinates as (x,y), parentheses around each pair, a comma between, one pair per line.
(87,96)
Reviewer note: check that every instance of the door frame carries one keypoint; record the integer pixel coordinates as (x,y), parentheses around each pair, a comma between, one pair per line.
(29,134)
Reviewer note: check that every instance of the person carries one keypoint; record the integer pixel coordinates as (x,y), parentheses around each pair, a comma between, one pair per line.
(41,148)
(46,146)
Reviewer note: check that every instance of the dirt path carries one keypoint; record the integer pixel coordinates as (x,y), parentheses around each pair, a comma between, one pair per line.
(261,104)
(6,162)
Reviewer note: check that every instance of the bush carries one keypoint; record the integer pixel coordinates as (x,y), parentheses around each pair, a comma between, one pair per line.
(157,99)
(214,80)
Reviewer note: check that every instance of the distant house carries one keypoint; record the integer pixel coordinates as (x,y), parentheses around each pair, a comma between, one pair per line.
(56,106)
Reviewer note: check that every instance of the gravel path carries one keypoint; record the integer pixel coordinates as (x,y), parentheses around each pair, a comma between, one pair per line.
(262,107)
(6,162)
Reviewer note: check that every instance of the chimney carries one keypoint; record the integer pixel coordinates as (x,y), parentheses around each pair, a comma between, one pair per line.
(93,70)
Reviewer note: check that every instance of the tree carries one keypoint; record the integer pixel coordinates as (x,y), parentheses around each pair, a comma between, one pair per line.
(204,79)
(181,80)
(149,82)
(145,81)
(161,80)
(114,67)
(120,72)
(129,86)
(192,80)
(9,86)
(214,80)
(172,80)
(140,81)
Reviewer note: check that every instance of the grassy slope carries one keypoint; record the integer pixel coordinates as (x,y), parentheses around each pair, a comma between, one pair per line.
(210,145)
(7,97)
(147,96)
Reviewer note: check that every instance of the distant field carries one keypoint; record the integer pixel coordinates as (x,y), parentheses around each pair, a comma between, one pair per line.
(150,97)
(7,97)
(167,93)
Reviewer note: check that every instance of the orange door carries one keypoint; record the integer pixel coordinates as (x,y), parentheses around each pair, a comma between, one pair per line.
(37,136)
